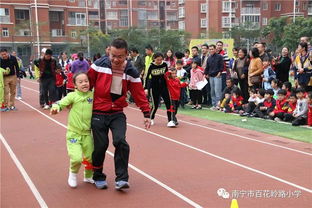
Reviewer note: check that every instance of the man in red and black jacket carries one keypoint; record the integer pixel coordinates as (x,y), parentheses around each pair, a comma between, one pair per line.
(112,77)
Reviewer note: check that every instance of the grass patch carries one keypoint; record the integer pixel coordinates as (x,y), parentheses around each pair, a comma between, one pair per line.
(280,129)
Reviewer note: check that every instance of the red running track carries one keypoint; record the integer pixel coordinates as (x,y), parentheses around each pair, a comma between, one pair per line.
(185,165)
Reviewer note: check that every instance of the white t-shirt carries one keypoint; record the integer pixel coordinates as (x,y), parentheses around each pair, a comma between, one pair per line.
(181,73)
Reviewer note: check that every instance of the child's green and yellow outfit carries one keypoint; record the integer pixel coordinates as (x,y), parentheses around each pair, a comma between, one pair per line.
(2,72)
(78,136)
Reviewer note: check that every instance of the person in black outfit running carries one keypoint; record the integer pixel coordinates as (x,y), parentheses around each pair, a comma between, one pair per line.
(155,83)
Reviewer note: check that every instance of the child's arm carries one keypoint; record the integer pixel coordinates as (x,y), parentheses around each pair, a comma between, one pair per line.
(60,105)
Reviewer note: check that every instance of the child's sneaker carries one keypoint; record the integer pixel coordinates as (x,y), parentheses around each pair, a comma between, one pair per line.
(152,122)
(171,124)
(13,108)
(72,180)
(88,180)
(121,185)
(100,184)
(46,107)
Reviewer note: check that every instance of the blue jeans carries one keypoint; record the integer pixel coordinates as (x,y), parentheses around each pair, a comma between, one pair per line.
(215,89)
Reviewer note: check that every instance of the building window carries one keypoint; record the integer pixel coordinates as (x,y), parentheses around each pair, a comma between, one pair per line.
(4,12)
(203,8)
(112,15)
(124,2)
(5,32)
(168,3)
(297,10)
(278,7)
(226,6)
(142,3)
(203,23)
(71,0)
(181,25)
(73,34)
(54,17)
(123,20)
(265,6)
(181,2)
(304,6)
(181,12)
(297,3)
(226,22)
(81,3)
(152,15)
(77,18)
(264,21)
(20,14)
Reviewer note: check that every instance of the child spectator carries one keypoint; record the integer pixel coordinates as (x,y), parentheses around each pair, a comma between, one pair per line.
(2,72)
(60,82)
(182,76)
(268,75)
(300,113)
(274,85)
(255,98)
(263,109)
(292,102)
(197,75)
(78,136)
(287,86)
(236,101)
(174,86)
(310,109)
(281,106)
(226,94)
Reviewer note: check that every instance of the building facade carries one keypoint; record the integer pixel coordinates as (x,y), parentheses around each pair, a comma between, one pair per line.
(204,17)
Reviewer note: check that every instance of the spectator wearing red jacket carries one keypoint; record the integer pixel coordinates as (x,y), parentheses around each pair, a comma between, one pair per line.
(60,79)
(263,109)
(292,103)
(281,106)
(236,101)
(174,86)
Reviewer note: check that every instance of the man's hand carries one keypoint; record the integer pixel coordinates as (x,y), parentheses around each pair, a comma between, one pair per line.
(218,75)
(147,123)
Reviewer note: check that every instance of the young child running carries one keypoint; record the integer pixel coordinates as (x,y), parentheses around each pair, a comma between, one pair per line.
(2,72)
(174,86)
(78,136)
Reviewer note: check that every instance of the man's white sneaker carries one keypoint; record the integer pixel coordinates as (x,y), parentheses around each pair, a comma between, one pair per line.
(19,98)
(152,122)
(72,180)
(88,180)
(171,124)
(46,107)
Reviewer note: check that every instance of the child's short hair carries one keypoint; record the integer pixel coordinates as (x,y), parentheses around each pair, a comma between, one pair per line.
(158,54)
(58,66)
(300,90)
(76,75)
(195,61)
(282,92)
(261,92)
(179,55)
(310,95)
(270,92)
(275,81)
(253,91)
(237,91)
(179,62)
(293,95)
(266,59)
(287,85)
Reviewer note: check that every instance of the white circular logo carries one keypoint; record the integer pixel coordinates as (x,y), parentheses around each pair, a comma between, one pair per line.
(223,193)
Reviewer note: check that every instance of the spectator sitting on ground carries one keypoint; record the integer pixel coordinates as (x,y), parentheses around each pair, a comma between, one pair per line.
(263,109)
(236,101)
(281,106)
(254,100)
(300,113)
(226,94)
(274,85)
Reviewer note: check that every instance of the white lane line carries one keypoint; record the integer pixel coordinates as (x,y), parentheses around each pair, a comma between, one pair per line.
(219,157)
(179,195)
(224,159)
(221,131)
(236,135)
(20,167)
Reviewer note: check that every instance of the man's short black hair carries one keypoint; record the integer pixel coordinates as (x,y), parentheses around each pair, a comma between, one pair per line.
(220,42)
(300,90)
(4,50)
(205,45)
(282,92)
(179,55)
(212,45)
(134,50)
(120,43)
(261,92)
(195,48)
(149,47)
(48,52)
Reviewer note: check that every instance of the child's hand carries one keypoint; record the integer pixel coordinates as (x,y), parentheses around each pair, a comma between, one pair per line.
(271,114)
(146,92)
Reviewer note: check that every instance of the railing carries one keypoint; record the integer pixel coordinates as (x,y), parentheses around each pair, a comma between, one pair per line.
(250,11)
(75,21)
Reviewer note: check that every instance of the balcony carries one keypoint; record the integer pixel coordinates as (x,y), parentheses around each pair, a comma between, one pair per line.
(93,17)
(250,11)
(23,32)
(57,33)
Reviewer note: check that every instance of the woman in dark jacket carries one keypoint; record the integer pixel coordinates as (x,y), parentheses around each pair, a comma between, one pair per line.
(282,66)
(241,69)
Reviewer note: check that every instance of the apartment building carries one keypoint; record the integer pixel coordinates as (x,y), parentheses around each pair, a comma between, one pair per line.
(204,17)
(27,26)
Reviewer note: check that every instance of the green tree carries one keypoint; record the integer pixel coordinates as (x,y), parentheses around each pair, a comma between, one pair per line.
(245,34)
